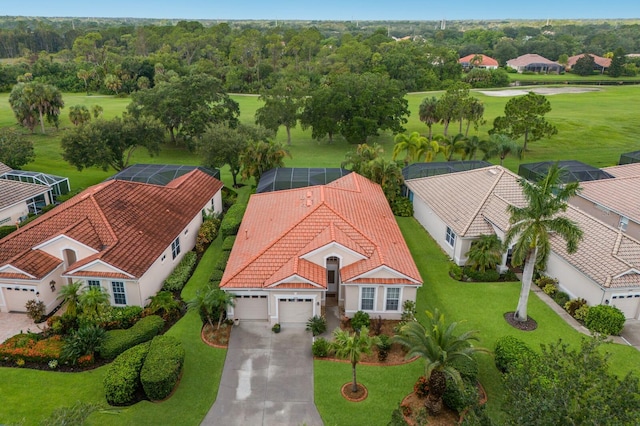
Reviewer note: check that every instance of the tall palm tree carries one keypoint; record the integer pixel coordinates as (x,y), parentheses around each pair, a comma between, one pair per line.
(471,146)
(532,225)
(441,348)
(485,252)
(450,145)
(361,156)
(352,346)
(413,145)
(428,113)
(501,145)
(70,294)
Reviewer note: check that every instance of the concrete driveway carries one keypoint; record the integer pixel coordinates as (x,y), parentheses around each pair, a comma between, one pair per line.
(631,333)
(267,379)
(13,323)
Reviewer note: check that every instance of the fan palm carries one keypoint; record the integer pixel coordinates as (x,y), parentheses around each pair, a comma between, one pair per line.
(532,225)
(352,346)
(485,252)
(428,113)
(441,349)
(70,294)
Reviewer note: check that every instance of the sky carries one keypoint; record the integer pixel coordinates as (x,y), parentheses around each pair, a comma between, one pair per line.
(344,10)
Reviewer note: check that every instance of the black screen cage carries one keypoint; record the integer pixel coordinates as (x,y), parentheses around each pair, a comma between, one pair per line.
(289,178)
(629,158)
(159,174)
(420,170)
(572,171)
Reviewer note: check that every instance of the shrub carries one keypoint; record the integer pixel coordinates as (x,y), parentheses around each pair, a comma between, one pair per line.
(561,298)
(384,346)
(458,398)
(510,351)
(35,310)
(182,273)
(221,264)
(320,347)
(162,367)
(468,368)
(509,276)
(216,276)
(408,311)
(477,416)
(402,207)
(115,317)
(360,319)
(232,219)
(573,305)
(488,276)
(550,289)
(455,271)
(605,319)
(6,230)
(544,280)
(228,242)
(229,197)
(118,341)
(84,341)
(31,347)
(207,233)
(581,313)
(122,380)
(317,325)
(421,387)
(376,326)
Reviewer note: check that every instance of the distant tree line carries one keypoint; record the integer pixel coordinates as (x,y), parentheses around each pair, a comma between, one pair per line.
(117,57)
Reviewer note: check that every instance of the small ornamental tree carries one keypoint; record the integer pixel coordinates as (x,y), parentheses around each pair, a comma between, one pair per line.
(352,346)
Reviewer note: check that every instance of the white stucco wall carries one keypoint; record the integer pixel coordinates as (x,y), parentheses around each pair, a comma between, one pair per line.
(352,300)
(573,282)
(11,214)
(436,227)
(319,257)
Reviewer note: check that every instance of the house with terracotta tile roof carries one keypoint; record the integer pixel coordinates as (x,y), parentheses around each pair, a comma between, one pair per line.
(125,237)
(534,63)
(457,208)
(600,64)
(478,61)
(300,247)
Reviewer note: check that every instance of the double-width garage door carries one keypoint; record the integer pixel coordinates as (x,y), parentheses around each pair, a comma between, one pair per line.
(295,311)
(251,307)
(627,303)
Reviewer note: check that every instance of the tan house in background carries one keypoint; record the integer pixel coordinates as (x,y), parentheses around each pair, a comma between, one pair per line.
(601,64)
(535,63)
(296,248)
(125,237)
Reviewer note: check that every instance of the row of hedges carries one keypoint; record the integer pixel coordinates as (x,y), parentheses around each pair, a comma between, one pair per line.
(122,382)
(162,367)
(181,274)
(215,278)
(488,276)
(207,233)
(232,219)
(221,264)
(118,341)
(228,242)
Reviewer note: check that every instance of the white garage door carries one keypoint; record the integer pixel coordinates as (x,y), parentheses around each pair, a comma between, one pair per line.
(251,307)
(295,311)
(627,303)
(17,299)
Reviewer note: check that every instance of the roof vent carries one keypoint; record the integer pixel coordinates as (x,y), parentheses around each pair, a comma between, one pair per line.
(308,194)
(309,203)
(493,171)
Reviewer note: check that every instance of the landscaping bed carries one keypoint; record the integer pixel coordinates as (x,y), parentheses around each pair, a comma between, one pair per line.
(217,338)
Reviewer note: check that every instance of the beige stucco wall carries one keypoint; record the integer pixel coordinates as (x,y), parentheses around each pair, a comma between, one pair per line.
(57,247)
(573,282)
(320,257)
(12,214)
(15,300)
(352,300)
(607,216)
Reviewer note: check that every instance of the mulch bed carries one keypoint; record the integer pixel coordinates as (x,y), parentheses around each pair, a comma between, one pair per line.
(360,395)
(217,338)
(415,413)
(65,368)
(529,325)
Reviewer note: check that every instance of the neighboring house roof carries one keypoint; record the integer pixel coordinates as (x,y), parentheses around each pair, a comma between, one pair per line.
(471,202)
(624,170)
(279,228)
(12,192)
(530,58)
(289,178)
(127,224)
(621,194)
(4,168)
(485,60)
(599,60)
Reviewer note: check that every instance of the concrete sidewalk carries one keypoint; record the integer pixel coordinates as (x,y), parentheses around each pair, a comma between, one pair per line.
(267,379)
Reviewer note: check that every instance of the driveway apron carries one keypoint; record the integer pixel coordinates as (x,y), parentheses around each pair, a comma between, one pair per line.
(267,379)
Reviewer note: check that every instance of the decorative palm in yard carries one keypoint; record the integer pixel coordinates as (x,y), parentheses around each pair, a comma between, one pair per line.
(441,348)
(70,294)
(352,346)
(210,303)
(532,225)
(485,252)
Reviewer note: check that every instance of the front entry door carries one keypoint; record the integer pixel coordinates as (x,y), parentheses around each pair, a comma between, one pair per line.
(332,275)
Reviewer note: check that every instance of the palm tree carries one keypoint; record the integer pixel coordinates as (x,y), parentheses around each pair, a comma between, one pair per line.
(428,113)
(413,145)
(388,174)
(260,156)
(211,302)
(93,302)
(532,225)
(352,346)
(450,145)
(70,294)
(163,303)
(471,147)
(441,350)
(485,252)
(501,145)
(362,155)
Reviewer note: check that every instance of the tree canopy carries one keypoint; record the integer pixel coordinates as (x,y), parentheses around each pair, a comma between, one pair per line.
(15,151)
(34,102)
(282,104)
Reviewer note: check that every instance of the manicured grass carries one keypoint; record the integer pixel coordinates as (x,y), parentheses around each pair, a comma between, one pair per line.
(561,78)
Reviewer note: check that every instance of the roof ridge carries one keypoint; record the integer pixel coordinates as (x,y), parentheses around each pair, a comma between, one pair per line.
(104,218)
(484,202)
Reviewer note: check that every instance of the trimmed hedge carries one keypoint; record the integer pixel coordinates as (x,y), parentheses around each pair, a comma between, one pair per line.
(182,273)
(488,276)
(118,341)
(605,319)
(116,317)
(6,230)
(215,277)
(162,367)
(122,381)
(221,265)
(232,219)
(509,351)
(228,242)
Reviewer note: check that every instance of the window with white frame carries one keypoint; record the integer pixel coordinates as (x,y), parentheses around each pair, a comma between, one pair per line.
(175,247)
(367,298)
(450,237)
(93,284)
(119,294)
(392,302)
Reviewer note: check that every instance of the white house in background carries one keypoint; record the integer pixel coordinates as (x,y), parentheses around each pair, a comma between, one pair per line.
(459,207)
(18,199)
(299,246)
(125,237)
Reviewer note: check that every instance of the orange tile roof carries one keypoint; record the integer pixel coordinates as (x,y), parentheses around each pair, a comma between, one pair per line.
(280,228)
(486,61)
(129,223)
(599,60)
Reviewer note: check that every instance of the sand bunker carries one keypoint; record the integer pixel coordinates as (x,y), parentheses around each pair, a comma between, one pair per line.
(547,91)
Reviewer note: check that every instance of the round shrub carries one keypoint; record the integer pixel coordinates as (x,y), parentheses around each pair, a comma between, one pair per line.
(573,305)
(467,367)
(561,298)
(605,319)
(581,313)
(460,397)
(317,325)
(402,207)
(122,381)
(360,319)
(455,271)
(550,289)
(488,276)
(509,351)
(215,277)
(162,367)
(320,347)
(117,341)
(384,346)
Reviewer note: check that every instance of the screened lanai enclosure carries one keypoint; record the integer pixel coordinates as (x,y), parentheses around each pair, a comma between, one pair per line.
(158,174)
(59,185)
(420,170)
(629,158)
(300,177)
(572,171)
